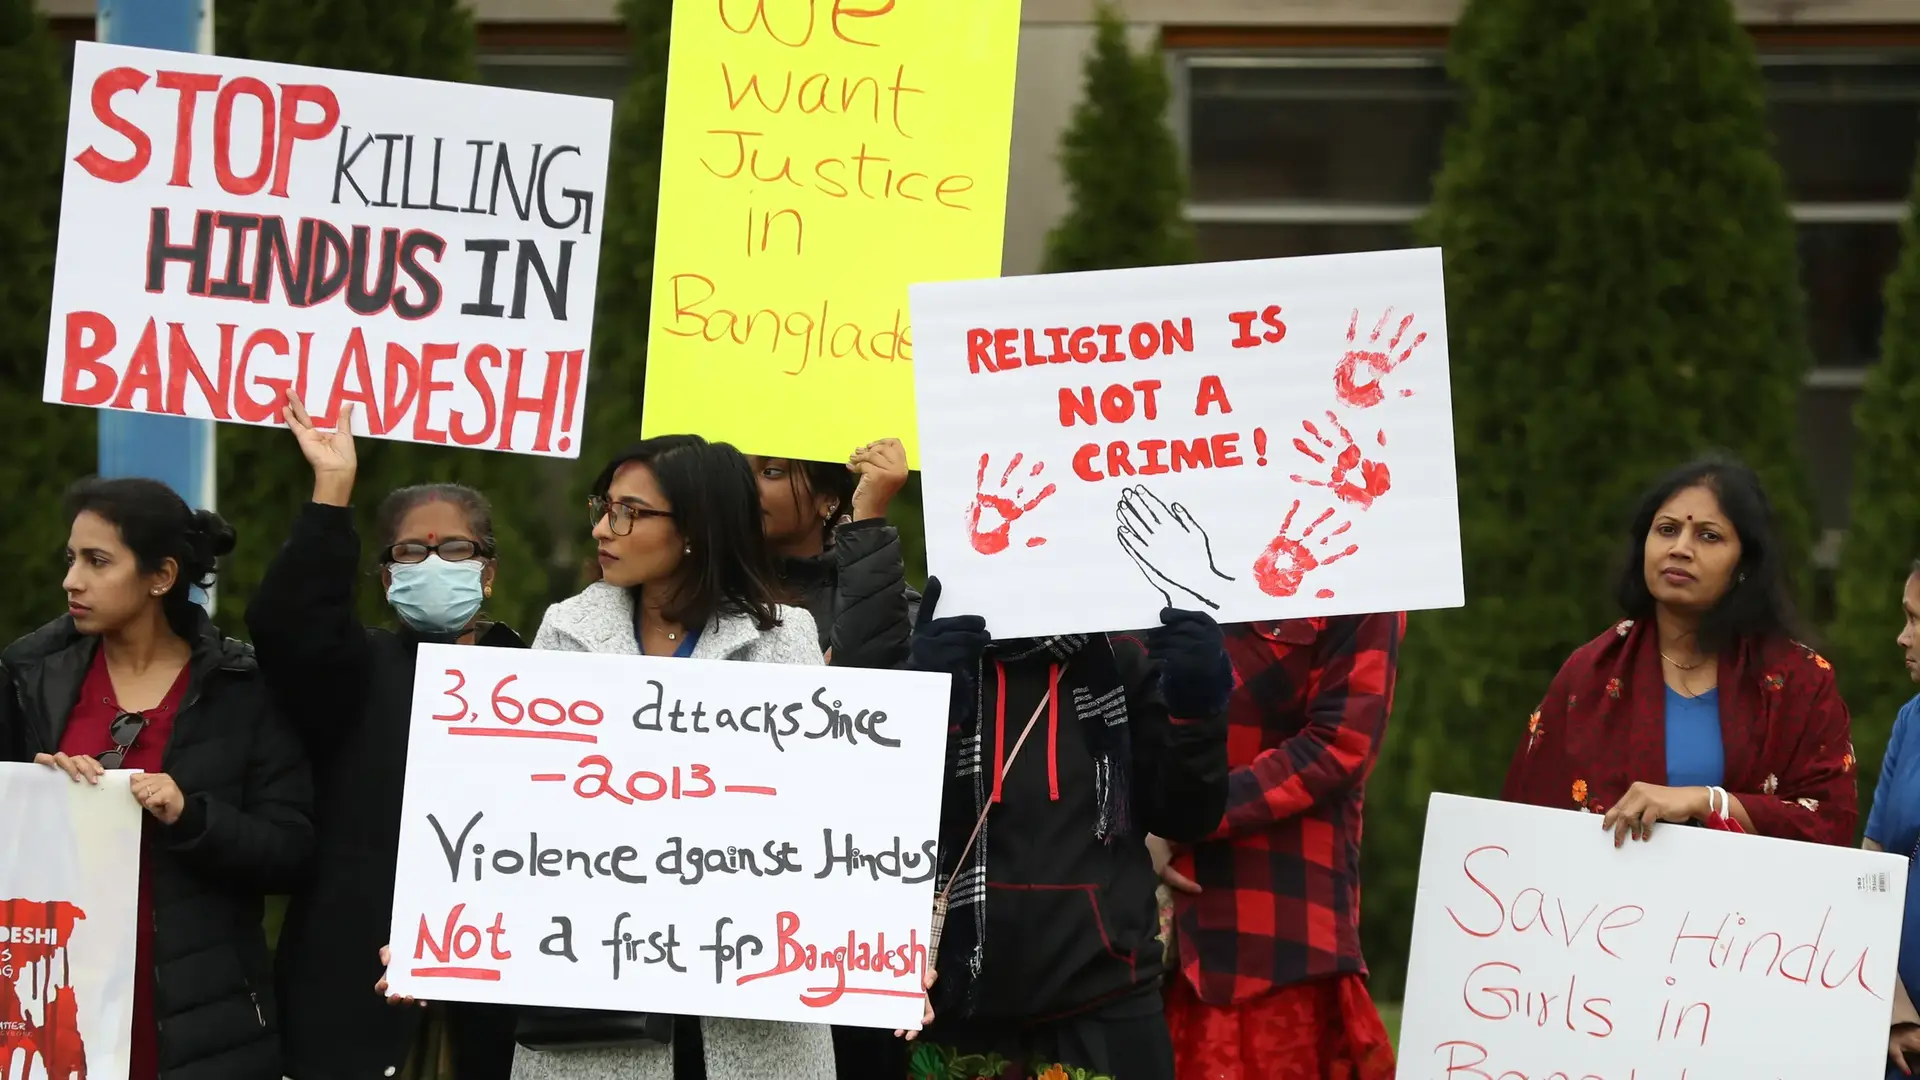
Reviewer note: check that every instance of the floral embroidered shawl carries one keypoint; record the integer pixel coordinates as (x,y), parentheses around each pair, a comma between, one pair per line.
(1786,733)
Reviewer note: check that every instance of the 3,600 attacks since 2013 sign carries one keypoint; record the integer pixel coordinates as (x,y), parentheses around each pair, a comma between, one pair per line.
(698,837)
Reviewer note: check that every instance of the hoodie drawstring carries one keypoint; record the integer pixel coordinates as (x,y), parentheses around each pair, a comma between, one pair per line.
(1053,731)
(999,728)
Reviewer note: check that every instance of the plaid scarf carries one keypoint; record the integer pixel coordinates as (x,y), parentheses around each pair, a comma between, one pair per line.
(1090,680)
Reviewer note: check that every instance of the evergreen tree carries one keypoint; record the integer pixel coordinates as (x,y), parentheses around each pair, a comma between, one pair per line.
(421,39)
(623,312)
(263,479)
(1122,164)
(1621,294)
(49,446)
(1883,535)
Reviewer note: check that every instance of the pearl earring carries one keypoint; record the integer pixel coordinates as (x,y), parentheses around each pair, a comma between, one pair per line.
(156,592)
(688,550)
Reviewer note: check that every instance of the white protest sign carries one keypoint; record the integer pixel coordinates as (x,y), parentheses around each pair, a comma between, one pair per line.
(1539,950)
(230,229)
(699,837)
(1259,440)
(69,891)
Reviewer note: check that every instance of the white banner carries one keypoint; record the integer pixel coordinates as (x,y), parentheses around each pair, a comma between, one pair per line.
(1539,950)
(699,837)
(69,894)
(1260,440)
(231,229)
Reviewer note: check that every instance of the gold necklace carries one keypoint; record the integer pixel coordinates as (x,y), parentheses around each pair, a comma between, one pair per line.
(1679,665)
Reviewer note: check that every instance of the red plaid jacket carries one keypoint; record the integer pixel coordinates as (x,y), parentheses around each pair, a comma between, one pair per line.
(1280,877)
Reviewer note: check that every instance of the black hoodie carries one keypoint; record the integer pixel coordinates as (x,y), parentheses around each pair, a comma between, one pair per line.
(1072,923)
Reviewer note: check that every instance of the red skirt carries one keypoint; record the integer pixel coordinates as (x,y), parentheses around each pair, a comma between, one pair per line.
(1325,1029)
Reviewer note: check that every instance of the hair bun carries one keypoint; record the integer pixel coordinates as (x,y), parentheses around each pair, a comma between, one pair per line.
(216,537)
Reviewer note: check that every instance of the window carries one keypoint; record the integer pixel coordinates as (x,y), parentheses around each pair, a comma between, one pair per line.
(1311,154)
(597,73)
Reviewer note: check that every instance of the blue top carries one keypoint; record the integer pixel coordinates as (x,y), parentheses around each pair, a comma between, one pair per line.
(1695,757)
(1894,824)
(687,643)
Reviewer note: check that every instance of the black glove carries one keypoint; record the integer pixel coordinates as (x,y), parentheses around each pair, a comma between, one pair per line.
(953,645)
(1196,678)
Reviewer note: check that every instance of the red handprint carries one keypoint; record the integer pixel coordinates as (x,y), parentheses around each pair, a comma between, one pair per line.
(1377,361)
(1347,461)
(1009,507)
(1287,561)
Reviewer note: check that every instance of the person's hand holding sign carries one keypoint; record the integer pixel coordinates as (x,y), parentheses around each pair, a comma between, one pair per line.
(1170,548)
(953,644)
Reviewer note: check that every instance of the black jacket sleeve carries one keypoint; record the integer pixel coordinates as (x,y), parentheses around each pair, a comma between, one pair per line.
(872,619)
(1179,766)
(13,727)
(310,644)
(264,843)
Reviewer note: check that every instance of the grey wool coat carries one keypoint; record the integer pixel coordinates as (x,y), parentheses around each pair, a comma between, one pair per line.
(600,620)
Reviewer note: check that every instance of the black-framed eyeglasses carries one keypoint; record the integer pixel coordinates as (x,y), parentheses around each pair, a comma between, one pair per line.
(448,550)
(124,730)
(621,516)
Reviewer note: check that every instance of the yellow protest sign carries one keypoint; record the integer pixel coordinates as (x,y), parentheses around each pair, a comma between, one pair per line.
(820,156)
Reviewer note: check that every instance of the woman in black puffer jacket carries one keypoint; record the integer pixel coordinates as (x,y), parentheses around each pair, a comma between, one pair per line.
(827,524)
(135,676)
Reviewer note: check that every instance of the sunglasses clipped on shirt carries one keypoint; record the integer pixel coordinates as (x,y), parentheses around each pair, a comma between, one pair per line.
(620,516)
(125,729)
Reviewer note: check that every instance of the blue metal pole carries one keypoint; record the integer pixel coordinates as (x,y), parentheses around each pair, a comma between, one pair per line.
(172,449)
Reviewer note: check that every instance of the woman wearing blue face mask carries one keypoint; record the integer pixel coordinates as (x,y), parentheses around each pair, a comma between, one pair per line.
(349,691)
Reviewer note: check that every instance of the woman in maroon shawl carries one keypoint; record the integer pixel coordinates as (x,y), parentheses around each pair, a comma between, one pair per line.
(1701,689)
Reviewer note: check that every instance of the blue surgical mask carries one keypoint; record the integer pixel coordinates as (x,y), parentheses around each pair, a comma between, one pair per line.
(435,596)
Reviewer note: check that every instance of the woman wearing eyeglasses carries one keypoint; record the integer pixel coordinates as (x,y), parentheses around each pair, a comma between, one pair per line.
(348,689)
(685,571)
(135,676)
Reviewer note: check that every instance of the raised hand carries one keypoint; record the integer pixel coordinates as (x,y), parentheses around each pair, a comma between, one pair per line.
(329,452)
(1348,464)
(882,468)
(1288,560)
(1356,379)
(1170,548)
(1007,503)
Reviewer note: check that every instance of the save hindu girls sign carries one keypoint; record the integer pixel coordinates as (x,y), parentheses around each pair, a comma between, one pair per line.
(819,156)
(68,895)
(1258,440)
(232,230)
(1540,950)
(655,834)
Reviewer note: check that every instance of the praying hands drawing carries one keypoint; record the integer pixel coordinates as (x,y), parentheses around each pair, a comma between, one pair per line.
(1171,550)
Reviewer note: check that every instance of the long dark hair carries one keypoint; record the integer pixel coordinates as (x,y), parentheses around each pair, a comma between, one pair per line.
(1759,601)
(716,505)
(156,525)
